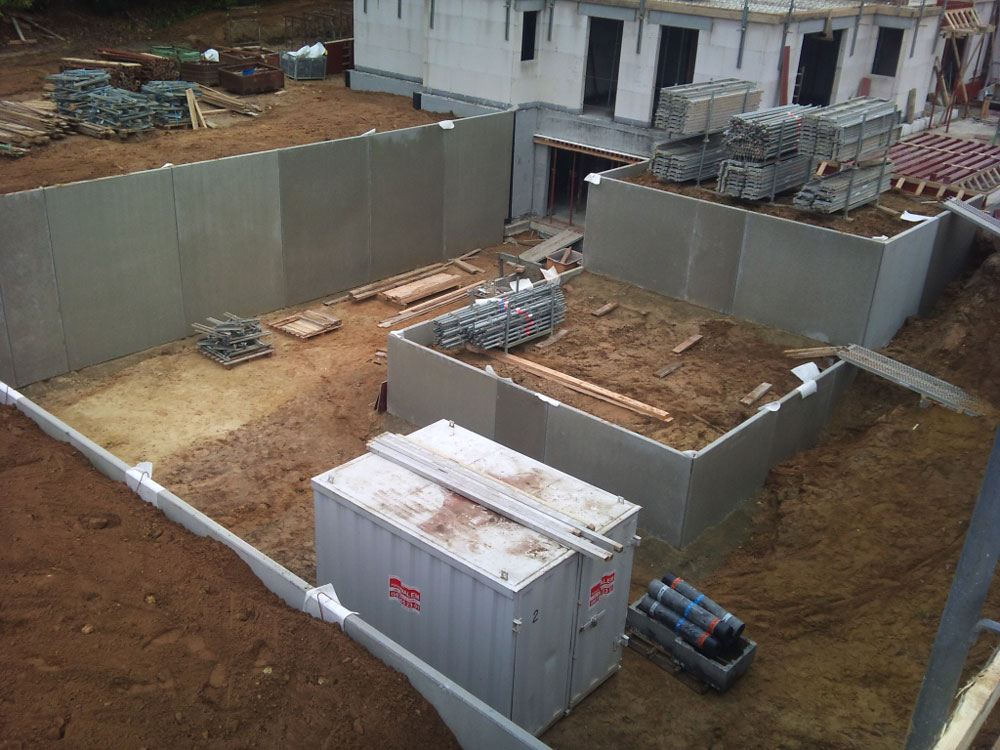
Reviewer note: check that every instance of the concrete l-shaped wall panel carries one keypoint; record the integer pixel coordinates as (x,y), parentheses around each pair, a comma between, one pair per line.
(95,270)
(828,285)
(682,493)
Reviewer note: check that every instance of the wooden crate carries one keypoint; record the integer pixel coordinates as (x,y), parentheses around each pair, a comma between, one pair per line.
(256,79)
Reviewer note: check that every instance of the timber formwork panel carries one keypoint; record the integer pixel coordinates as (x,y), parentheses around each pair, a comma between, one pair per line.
(229,236)
(407,199)
(325,210)
(477,163)
(805,279)
(114,247)
(28,288)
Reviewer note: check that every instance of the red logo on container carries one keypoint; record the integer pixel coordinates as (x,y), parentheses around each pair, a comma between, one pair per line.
(602,588)
(409,598)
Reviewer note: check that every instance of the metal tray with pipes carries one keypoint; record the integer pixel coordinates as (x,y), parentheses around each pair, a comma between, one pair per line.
(674,624)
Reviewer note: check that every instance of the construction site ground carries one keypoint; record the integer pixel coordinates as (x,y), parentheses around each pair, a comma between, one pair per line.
(122,629)
(866,221)
(303,112)
(622,351)
(841,565)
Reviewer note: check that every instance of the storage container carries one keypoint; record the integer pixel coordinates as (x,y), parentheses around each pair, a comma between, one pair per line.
(520,621)
(250,79)
(303,68)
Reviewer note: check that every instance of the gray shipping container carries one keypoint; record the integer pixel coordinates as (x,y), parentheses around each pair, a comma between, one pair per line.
(525,624)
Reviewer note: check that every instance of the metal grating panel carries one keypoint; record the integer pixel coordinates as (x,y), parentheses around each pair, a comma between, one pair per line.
(981,219)
(909,377)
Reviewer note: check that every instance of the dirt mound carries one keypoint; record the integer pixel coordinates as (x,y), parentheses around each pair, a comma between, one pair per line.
(121,629)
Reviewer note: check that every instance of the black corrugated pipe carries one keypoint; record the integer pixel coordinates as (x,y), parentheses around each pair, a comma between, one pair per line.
(714,626)
(681,586)
(687,630)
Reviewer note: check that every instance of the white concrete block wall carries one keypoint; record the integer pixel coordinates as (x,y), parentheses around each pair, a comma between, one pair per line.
(637,73)
(466,50)
(556,76)
(387,43)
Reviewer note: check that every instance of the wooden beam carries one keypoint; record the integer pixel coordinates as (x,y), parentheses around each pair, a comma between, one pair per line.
(580,386)
(687,343)
(500,497)
(557,336)
(418,289)
(973,708)
(467,267)
(813,351)
(370,290)
(604,309)
(664,371)
(755,394)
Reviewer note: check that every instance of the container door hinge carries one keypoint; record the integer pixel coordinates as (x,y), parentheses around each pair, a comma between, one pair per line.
(516,627)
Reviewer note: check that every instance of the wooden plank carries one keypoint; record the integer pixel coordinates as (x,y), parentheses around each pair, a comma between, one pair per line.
(813,351)
(580,386)
(370,290)
(306,324)
(604,309)
(467,267)
(17,28)
(470,254)
(337,300)
(973,708)
(687,343)
(192,109)
(426,307)
(664,371)
(755,394)
(502,498)
(562,240)
(412,291)
(557,336)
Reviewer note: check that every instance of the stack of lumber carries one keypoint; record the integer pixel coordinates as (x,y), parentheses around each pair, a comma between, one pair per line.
(307,324)
(704,107)
(232,103)
(833,133)
(755,181)
(153,67)
(844,190)
(765,135)
(371,290)
(24,124)
(680,161)
(169,101)
(123,75)
(418,289)
(232,340)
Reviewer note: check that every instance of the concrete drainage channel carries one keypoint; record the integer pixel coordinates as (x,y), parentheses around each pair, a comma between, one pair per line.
(473,722)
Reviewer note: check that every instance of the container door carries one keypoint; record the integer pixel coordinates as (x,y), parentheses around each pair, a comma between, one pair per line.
(600,623)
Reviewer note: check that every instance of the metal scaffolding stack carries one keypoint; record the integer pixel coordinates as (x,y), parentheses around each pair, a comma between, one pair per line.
(765,135)
(169,101)
(853,130)
(73,89)
(232,340)
(831,193)
(755,181)
(503,321)
(681,161)
(703,108)
(121,111)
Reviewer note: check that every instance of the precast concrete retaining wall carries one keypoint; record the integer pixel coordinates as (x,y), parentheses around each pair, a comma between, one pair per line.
(682,493)
(810,280)
(95,270)
(474,723)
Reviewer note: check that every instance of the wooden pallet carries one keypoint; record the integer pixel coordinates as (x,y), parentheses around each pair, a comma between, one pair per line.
(306,324)
(233,361)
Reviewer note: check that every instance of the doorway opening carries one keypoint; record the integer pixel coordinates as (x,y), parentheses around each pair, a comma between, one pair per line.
(604,51)
(675,60)
(567,186)
(817,68)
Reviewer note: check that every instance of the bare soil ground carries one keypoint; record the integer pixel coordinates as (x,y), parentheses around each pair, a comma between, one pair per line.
(866,221)
(304,112)
(122,629)
(623,349)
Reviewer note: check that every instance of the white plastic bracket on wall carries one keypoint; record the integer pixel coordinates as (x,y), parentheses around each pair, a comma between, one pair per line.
(807,373)
(139,479)
(322,602)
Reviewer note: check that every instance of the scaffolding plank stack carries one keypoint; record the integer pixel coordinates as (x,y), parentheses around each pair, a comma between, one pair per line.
(233,340)
(702,108)
(853,130)
(830,193)
(681,161)
(168,100)
(73,89)
(765,135)
(752,180)
(503,322)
